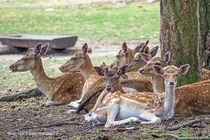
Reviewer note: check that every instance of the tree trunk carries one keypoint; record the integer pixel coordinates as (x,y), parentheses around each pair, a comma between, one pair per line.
(184,29)
(204,10)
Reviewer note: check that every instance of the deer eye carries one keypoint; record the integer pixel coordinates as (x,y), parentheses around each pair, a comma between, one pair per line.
(164,75)
(157,64)
(177,75)
(24,59)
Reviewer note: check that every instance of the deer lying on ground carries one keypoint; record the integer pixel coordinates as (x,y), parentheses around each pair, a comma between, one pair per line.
(59,90)
(112,80)
(190,99)
(94,83)
(119,108)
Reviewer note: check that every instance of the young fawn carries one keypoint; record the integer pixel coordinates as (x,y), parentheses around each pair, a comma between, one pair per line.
(113,84)
(120,108)
(190,99)
(59,90)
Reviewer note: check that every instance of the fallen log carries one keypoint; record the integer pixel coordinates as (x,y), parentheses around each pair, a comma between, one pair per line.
(22,95)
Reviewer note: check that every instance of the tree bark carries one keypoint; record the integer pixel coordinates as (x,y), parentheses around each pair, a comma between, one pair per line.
(184,29)
(204,20)
(22,95)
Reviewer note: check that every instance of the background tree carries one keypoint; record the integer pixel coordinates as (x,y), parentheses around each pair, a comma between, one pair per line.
(184,31)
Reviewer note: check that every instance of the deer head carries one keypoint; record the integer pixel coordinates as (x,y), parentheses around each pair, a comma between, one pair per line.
(76,62)
(170,73)
(28,61)
(147,70)
(111,77)
(138,62)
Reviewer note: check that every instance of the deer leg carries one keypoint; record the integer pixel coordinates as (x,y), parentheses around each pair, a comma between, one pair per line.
(151,118)
(51,103)
(75,103)
(112,113)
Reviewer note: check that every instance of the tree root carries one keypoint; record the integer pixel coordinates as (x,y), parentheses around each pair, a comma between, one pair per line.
(188,124)
(187,138)
(22,95)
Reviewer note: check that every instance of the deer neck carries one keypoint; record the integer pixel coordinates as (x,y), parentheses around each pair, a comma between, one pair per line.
(119,88)
(169,103)
(158,84)
(40,77)
(87,69)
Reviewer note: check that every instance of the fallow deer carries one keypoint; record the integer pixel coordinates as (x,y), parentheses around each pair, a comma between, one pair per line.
(94,83)
(126,55)
(113,84)
(190,99)
(59,90)
(120,108)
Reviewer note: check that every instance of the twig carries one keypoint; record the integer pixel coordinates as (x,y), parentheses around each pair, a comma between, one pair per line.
(51,125)
(188,123)
(187,138)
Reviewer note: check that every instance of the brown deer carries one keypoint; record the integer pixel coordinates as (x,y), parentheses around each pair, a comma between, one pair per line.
(206,74)
(94,83)
(112,80)
(120,108)
(190,99)
(59,90)
(126,55)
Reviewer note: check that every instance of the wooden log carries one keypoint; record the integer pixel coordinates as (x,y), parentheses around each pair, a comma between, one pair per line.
(22,95)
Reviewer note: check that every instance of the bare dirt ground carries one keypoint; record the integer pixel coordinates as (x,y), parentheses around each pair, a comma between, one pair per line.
(30,119)
(99,48)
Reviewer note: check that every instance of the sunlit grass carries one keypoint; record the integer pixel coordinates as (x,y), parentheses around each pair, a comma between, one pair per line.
(95,23)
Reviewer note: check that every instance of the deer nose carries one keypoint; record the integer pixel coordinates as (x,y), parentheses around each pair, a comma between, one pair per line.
(171,83)
(141,70)
(11,67)
(108,88)
(61,68)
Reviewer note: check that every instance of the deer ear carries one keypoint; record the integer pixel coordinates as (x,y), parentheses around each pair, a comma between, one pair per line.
(153,51)
(167,57)
(124,47)
(184,69)
(85,49)
(146,50)
(99,71)
(145,57)
(157,69)
(137,49)
(146,42)
(37,48)
(44,49)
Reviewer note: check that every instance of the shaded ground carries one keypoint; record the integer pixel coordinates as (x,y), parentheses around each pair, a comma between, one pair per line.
(17,118)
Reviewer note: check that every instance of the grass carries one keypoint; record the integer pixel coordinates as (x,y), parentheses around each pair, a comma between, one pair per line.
(95,23)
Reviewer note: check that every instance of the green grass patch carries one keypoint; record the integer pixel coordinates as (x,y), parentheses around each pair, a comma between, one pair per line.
(94,23)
